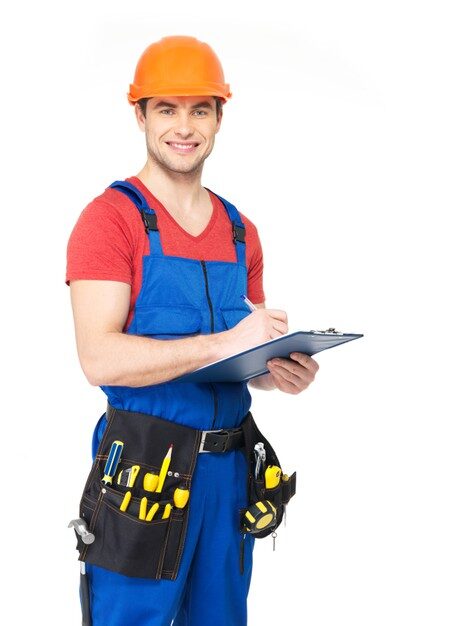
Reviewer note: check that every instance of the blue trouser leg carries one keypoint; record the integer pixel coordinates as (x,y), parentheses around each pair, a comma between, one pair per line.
(216,591)
(209,588)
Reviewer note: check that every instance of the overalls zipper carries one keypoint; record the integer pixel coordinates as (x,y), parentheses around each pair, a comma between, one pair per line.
(210,306)
(215,402)
(212,330)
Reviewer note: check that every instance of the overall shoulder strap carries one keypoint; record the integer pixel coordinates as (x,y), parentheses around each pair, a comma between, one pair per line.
(148,215)
(239,230)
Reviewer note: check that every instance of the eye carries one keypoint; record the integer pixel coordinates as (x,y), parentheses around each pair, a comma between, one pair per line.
(202,111)
(167,111)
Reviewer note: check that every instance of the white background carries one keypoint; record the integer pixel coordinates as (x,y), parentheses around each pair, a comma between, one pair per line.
(348,143)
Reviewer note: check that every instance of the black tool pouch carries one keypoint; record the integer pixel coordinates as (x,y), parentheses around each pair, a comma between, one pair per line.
(280,495)
(124,543)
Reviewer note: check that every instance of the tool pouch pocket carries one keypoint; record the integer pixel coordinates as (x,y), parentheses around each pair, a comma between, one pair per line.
(278,496)
(123,542)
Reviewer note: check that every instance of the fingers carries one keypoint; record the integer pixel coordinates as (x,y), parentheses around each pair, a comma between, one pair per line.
(280,328)
(291,372)
(278,314)
(282,383)
(279,323)
(306,361)
(272,322)
(295,374)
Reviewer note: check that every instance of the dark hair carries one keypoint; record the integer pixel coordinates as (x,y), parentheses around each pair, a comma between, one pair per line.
(218,101)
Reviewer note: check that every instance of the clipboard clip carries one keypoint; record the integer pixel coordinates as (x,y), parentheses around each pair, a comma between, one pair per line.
(331,331)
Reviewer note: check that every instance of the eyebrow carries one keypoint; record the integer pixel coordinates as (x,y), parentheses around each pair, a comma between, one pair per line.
(199,105)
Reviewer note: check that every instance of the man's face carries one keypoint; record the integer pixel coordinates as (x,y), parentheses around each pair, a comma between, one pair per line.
(180,130)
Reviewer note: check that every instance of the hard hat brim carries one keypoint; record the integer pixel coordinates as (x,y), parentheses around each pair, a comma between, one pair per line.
(221,91)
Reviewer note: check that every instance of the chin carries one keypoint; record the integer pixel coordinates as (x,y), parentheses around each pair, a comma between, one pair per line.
(184,169)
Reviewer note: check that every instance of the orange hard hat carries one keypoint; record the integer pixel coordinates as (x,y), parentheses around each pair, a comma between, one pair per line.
(178,66)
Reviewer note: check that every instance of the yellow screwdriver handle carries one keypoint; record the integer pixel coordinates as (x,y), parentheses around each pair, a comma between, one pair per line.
(167,511)
(152,512)
(150,481)
(181,497)
(143,508)
(125,501)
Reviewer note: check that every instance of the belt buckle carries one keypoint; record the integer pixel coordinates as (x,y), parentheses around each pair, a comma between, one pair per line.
(204,434)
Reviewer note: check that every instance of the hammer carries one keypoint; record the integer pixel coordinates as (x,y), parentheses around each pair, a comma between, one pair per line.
(80,527)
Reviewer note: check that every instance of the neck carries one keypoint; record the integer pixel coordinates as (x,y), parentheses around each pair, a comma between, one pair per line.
(172,188)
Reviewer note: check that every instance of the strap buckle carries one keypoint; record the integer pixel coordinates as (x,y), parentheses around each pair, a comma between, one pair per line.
(150,221)
(204,436)
(239,233)
(223,440)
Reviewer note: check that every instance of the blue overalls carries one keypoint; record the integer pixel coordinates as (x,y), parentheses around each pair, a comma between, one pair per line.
(182,297)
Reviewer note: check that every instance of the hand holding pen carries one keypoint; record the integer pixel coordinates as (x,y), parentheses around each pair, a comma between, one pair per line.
(261,326)
(291,375)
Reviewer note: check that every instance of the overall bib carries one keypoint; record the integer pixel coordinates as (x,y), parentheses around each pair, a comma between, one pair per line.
(182,297)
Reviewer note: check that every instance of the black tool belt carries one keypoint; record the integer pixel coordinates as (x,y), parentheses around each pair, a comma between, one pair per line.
(124,541)
(278,496)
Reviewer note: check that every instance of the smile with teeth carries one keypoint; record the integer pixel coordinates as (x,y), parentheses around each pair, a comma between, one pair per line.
(182,147)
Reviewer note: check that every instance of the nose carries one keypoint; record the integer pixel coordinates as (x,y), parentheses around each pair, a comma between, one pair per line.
(183,126)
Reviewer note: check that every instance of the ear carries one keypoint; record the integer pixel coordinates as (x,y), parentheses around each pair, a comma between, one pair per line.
(140,117)
(219,121)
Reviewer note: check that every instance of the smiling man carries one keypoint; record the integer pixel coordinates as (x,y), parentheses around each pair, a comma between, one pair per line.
(157,265)
(159,109)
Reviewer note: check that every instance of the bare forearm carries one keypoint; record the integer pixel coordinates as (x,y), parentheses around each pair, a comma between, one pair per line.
(133,361)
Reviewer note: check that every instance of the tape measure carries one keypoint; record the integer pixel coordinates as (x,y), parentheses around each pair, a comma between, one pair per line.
(260,516)
(272,476)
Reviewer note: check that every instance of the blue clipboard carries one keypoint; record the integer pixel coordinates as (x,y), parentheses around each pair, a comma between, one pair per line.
(252,363)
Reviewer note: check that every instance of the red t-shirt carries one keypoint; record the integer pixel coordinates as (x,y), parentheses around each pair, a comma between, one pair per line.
(109,241)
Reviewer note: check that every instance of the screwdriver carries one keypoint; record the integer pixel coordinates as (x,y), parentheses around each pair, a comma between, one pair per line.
(144,514)
(125,501)
(112,462)
(143,508)
(150,481)
(167,511)
(152,511)
(181,497)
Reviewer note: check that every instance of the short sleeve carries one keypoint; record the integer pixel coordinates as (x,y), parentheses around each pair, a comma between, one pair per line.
(255,266)
(100,246)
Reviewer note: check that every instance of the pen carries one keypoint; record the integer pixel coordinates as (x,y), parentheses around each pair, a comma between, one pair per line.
(249,303)
(164,468)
